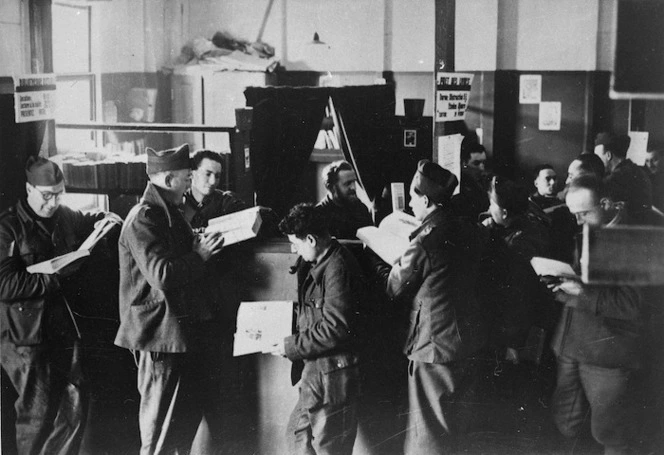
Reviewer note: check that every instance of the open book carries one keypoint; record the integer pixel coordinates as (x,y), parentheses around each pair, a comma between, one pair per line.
(237,227)
(550,268)
(57,263)
(391,239)
(261,325)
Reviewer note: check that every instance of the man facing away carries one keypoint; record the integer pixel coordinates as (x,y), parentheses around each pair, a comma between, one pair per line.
(436,279)
(598,339)
(39,340)
(324,346)
(633,184)
(344,210)
(162,304)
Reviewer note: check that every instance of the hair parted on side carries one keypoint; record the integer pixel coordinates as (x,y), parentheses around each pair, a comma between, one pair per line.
(200,155)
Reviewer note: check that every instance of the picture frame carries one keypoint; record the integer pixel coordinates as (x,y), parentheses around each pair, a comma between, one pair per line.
(410,138)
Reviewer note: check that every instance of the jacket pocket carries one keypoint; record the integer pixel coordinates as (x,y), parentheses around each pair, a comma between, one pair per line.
(22,322)
(340,377)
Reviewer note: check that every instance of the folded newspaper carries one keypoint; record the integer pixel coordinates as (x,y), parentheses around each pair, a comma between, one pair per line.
(237,227)
(261,325)
(54,265)
(391,238)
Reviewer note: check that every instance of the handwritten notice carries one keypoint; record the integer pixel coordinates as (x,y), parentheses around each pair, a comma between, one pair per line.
(34,97)
(452,95)
(449,155)
(530,88)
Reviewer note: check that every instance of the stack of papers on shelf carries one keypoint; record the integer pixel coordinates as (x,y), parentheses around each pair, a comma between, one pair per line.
(57,263)
(391,239)
(237,227)
(261,325)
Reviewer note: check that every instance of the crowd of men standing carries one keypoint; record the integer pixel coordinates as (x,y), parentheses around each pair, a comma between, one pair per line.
(472,304)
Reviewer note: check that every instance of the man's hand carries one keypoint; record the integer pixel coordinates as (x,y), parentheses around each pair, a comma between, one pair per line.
(207,245)
(278,349)
(566,290)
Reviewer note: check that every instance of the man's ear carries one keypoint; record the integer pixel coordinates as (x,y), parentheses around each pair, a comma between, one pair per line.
(427,201)
(168,180)
(506,213)
(609,154)
(313,241)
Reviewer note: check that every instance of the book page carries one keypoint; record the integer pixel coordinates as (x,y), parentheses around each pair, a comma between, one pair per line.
(56,264)
(261,325)
(551,267)
(400,224)
(103,228)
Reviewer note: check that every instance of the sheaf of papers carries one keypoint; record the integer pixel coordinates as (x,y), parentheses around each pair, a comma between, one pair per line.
(551,267)
(261,325)
(391,239)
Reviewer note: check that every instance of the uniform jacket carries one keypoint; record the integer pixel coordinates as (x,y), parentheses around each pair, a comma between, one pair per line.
(162,294)
(605,329)
(329,293)
(32,309)
(345,220)
(436,277)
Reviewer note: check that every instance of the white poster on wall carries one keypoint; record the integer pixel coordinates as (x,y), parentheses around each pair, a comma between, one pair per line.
(549,115)
(530,88)
(34,97)
(449,155)
(638,146)
(452,95)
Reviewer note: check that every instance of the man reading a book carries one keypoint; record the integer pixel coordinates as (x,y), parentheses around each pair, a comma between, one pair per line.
(345,211)
(324,348)
(164,303)
(39,339)
(436,278)
(598,339)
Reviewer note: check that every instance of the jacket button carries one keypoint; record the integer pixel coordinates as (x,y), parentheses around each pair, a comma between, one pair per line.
(20,308)
(339,364)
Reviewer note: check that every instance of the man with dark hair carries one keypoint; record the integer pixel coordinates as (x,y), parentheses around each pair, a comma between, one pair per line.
(204,201)
(598,339)
(345,212)
(472,199)
(631,185)
(39,339)
(586,163)
(163,304)
(436,279)
(324,348)
(545,181)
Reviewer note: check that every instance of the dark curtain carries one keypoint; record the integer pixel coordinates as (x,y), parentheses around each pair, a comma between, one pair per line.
(367,113)
(285,125)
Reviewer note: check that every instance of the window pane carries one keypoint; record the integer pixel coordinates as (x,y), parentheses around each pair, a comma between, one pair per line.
(71,38)
(74,105)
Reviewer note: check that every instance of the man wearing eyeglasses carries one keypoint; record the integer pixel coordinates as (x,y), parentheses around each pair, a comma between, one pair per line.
(39,339)
(598,341)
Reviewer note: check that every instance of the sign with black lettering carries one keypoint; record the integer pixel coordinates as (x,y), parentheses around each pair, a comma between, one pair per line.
(34,97)
(452,95)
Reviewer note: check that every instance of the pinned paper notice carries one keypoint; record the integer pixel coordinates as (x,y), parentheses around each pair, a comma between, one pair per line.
(638,146)
(549,115)
(449,155)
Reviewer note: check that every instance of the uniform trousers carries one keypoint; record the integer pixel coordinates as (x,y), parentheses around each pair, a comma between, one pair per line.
(172,400)
(52,404)
(440,404)
(584,390)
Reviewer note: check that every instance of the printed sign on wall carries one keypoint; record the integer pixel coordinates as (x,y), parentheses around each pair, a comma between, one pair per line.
(34,97)
(452,95)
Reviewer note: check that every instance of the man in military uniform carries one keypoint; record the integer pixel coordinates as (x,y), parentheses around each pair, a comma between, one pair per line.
(436,278)
(163,304)
(39,340)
